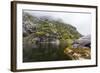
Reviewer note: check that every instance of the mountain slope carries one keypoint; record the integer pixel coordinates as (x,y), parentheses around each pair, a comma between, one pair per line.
(45,38)
(33,24)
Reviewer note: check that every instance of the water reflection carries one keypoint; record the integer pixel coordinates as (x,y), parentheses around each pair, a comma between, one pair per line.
(45,51)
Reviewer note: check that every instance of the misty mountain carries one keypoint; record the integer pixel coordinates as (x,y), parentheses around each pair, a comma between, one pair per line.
(45,38)
(47,25)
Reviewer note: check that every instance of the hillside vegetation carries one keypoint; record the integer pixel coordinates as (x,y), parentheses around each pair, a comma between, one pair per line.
(46,39)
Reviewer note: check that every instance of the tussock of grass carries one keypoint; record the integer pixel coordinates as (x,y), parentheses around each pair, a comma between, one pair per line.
(78,53)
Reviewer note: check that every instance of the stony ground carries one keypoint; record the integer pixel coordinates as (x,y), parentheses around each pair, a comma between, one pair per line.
(78,53)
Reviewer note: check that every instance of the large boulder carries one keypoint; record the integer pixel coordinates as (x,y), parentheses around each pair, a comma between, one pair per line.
(83,42)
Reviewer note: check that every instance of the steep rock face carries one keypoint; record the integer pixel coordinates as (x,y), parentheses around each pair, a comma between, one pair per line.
(29,24)
(45,29)
(45,24)
(45,38)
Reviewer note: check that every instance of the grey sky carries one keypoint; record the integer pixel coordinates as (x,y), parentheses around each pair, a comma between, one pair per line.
(82,21)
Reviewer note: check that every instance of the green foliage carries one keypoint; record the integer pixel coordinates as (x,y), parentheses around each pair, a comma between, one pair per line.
(40,33)
(46,31)
(52,27)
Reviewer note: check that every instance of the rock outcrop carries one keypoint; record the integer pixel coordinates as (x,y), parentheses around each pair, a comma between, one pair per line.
(83,42)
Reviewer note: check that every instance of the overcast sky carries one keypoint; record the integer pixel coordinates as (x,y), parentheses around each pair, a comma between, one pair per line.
(82,21)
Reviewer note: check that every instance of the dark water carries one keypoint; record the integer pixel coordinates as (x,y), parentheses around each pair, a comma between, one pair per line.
(45,51)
